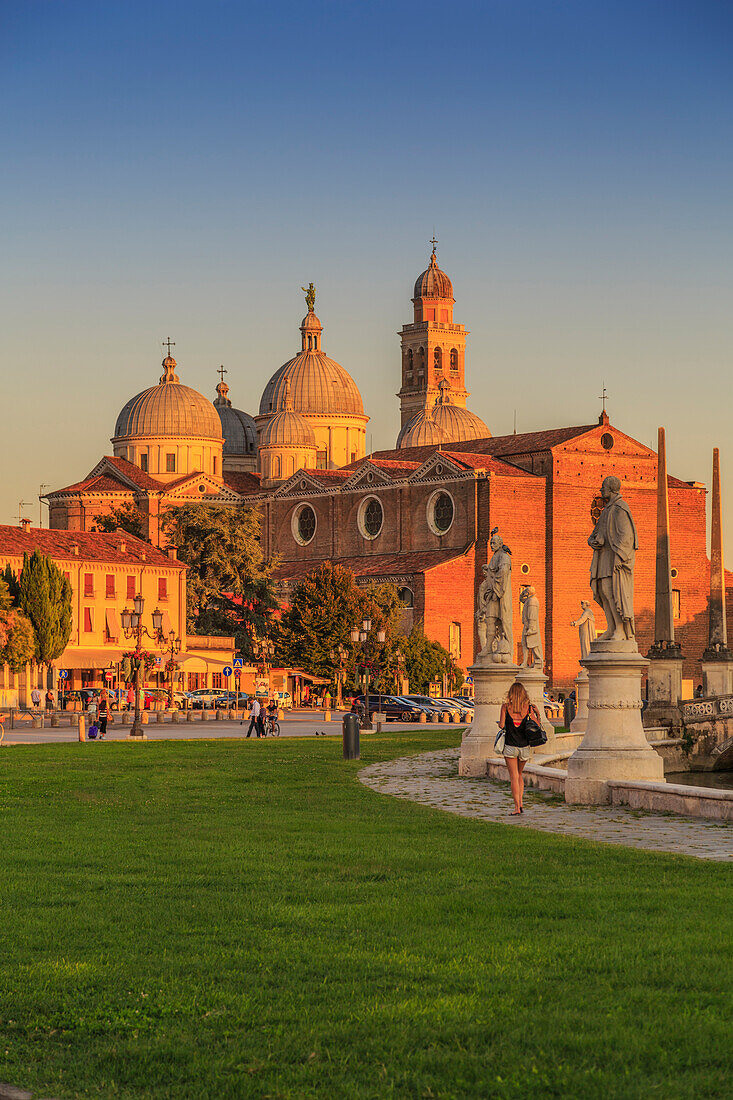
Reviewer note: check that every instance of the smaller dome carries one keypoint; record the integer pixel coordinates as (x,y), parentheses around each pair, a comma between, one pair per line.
(310,321)
(421,431)
(457,423)
(289,429)
(238,428)
(433,283)
(168,409)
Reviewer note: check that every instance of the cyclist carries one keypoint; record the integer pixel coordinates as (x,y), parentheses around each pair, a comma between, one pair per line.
(271,723)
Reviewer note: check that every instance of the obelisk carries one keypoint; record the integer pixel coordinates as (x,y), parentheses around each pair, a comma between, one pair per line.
(664,677)
(717,660)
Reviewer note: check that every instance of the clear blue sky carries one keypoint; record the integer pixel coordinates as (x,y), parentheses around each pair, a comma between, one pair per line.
(182,168)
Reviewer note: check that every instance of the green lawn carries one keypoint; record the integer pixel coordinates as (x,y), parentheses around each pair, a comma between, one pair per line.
(245,919)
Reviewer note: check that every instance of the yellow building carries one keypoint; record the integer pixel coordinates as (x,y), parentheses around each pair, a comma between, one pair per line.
(106,572)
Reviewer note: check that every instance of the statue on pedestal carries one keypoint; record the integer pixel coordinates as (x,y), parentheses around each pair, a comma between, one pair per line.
(586,625)
(494,604)
(531,638)
(614,542)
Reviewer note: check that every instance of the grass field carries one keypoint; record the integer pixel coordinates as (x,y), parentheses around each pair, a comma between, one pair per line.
(245,919)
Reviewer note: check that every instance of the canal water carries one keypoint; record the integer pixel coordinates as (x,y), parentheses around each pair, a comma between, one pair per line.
(719,780)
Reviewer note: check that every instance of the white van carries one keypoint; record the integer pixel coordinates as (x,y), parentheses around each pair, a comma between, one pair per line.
(283,699)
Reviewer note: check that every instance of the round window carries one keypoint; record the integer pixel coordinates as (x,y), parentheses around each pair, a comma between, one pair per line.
(441,511)
(674,574)
(607,441)
(202,488)
(525,569)
(304,524)
(370,517)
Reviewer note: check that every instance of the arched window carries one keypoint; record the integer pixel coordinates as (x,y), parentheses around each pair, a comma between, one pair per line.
(410,359)
(421,360)
(406,597)
(291,467)
(453,359)
(276,468)
(438,358)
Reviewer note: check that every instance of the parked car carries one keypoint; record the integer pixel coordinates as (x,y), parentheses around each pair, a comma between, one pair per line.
(205,698)
(553,709)
(439,706)
(238,699)
(466,707)
(395,707)
(283,699)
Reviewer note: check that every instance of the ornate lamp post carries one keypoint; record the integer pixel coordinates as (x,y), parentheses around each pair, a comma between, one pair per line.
(132,624)
(369,644)
(338,659)
(173,647)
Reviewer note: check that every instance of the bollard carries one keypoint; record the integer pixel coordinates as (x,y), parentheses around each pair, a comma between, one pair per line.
(203,713)
(54,721)
(350,736)
(174,715)
(36,722)
(423,717)
(144,718)
(190,715)
(456,717)
(327,716)
(82,728)
(280,711)
(218,714)
(160,716)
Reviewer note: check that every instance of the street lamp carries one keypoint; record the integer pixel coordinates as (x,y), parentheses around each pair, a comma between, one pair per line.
(369,643)
(132,625)
(174,648)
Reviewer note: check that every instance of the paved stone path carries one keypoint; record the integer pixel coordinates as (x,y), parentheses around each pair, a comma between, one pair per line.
(432,778)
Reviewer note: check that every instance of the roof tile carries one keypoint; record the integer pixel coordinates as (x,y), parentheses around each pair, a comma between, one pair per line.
(93,546)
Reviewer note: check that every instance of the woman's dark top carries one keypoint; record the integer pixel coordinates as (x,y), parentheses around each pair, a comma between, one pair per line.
(515,735)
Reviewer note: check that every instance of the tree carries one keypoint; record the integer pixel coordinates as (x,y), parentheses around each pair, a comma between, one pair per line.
(12,583)
(127,518)
(17,644)
(229,585)
(44,594)
(324,608)
(426,661)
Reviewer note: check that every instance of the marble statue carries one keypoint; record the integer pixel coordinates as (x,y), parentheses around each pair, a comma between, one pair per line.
(531,638)
(614,542)
(494,604)
(586,625)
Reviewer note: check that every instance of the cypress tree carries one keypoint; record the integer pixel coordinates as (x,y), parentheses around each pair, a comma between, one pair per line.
(44,595)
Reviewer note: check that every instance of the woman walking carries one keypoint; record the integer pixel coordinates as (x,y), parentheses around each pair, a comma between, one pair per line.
(516,712)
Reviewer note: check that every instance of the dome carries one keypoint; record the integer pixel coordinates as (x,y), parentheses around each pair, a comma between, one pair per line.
(457,423)
(318,385)
(168,409)
(288,429)
(422,431)
(238,428)
(310,321)
(433,283)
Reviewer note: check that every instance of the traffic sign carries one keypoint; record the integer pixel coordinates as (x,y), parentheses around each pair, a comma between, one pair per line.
(109,676)
(63,674)
(468,680)
(238,662)
(227,671)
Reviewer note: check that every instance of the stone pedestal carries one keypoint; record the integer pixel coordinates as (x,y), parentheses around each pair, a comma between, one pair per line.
(664,691)
(491,684)
(614,745)
(580,721)
(533,680)
(717,676)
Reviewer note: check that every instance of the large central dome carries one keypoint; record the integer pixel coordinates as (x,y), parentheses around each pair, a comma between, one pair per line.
(317,384)
(168,409)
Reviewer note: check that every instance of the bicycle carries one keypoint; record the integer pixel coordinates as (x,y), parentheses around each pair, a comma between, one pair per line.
(272,726)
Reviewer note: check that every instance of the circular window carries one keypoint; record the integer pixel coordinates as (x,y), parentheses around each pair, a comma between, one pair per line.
(441,511)
(439,468)
(674,573)
(202,488)
(596,508)
(370,517)
(525,569)
(304,524)
(406,597)
(607,441)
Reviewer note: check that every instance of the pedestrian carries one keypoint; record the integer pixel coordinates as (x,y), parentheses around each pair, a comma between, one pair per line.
(130,699)
(103,713)
(516,714)
(255,721)
(92,710)
(49,700)
(36,698)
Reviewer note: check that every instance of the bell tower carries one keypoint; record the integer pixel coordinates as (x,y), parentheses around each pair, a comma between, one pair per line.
(433,347)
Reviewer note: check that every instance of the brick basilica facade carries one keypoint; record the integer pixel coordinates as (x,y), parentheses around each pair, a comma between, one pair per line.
(419,515)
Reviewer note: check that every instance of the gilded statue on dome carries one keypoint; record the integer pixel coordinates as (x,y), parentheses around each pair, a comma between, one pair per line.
(310,296)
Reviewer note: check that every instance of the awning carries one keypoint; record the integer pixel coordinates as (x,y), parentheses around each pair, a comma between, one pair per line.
(113,622)
(88,658)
